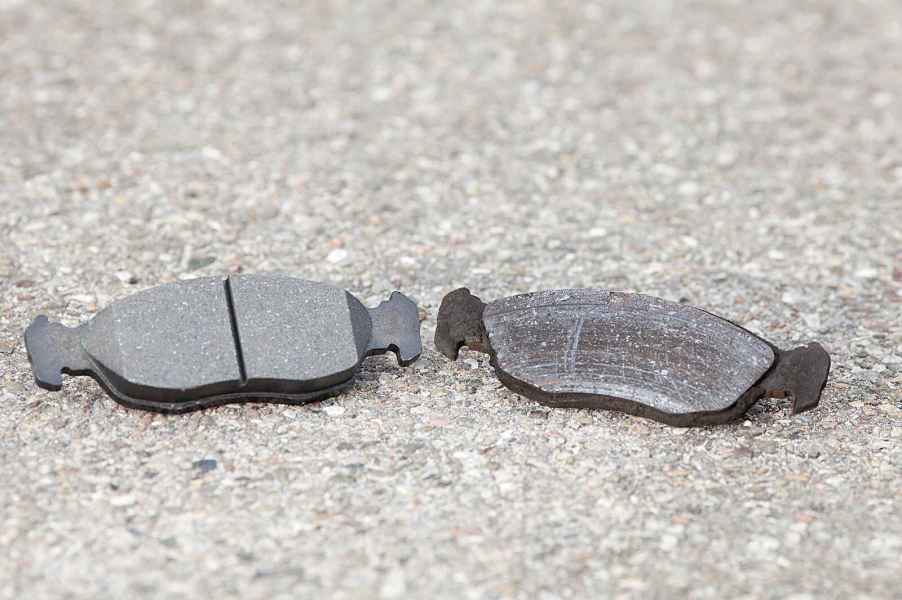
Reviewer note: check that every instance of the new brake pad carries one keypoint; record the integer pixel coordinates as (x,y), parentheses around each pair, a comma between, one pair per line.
(203,342)
(591,348)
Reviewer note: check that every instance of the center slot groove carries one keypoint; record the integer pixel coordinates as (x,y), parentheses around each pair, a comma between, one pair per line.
(233,319)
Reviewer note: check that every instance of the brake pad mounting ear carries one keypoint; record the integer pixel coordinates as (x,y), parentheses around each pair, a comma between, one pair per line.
(203,342)
(592,348)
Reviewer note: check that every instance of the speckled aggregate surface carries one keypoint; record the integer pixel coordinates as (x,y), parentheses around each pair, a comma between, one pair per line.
(741,156)
(675,359)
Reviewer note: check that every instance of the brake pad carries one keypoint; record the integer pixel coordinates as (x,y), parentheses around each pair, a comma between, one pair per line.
(203,342)
(591,348)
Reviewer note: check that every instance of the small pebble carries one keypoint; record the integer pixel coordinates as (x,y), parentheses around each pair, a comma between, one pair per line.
(205,465)
(126,277)
(337,255)
(123,500)
(334,410)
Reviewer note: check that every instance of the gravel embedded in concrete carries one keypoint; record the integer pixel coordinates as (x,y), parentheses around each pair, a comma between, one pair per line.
(741,157)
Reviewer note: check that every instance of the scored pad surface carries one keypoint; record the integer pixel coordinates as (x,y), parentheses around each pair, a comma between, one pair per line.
(671,357)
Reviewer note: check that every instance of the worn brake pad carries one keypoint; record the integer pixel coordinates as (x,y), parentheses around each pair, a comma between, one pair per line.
(203,342)
(591,348)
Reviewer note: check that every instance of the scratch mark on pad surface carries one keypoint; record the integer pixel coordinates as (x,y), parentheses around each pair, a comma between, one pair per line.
(574,343)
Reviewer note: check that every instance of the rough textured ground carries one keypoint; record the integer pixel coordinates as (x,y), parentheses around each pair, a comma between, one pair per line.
(742,156)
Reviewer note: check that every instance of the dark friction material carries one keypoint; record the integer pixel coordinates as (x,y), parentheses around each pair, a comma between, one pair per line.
(594,348)
(667,356)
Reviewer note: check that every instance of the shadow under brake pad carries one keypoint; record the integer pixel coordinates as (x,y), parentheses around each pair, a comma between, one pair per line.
(203,342)
(591,348)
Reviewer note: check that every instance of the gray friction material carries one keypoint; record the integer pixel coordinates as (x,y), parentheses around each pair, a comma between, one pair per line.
(295,330)
(673,358)
(175,337)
